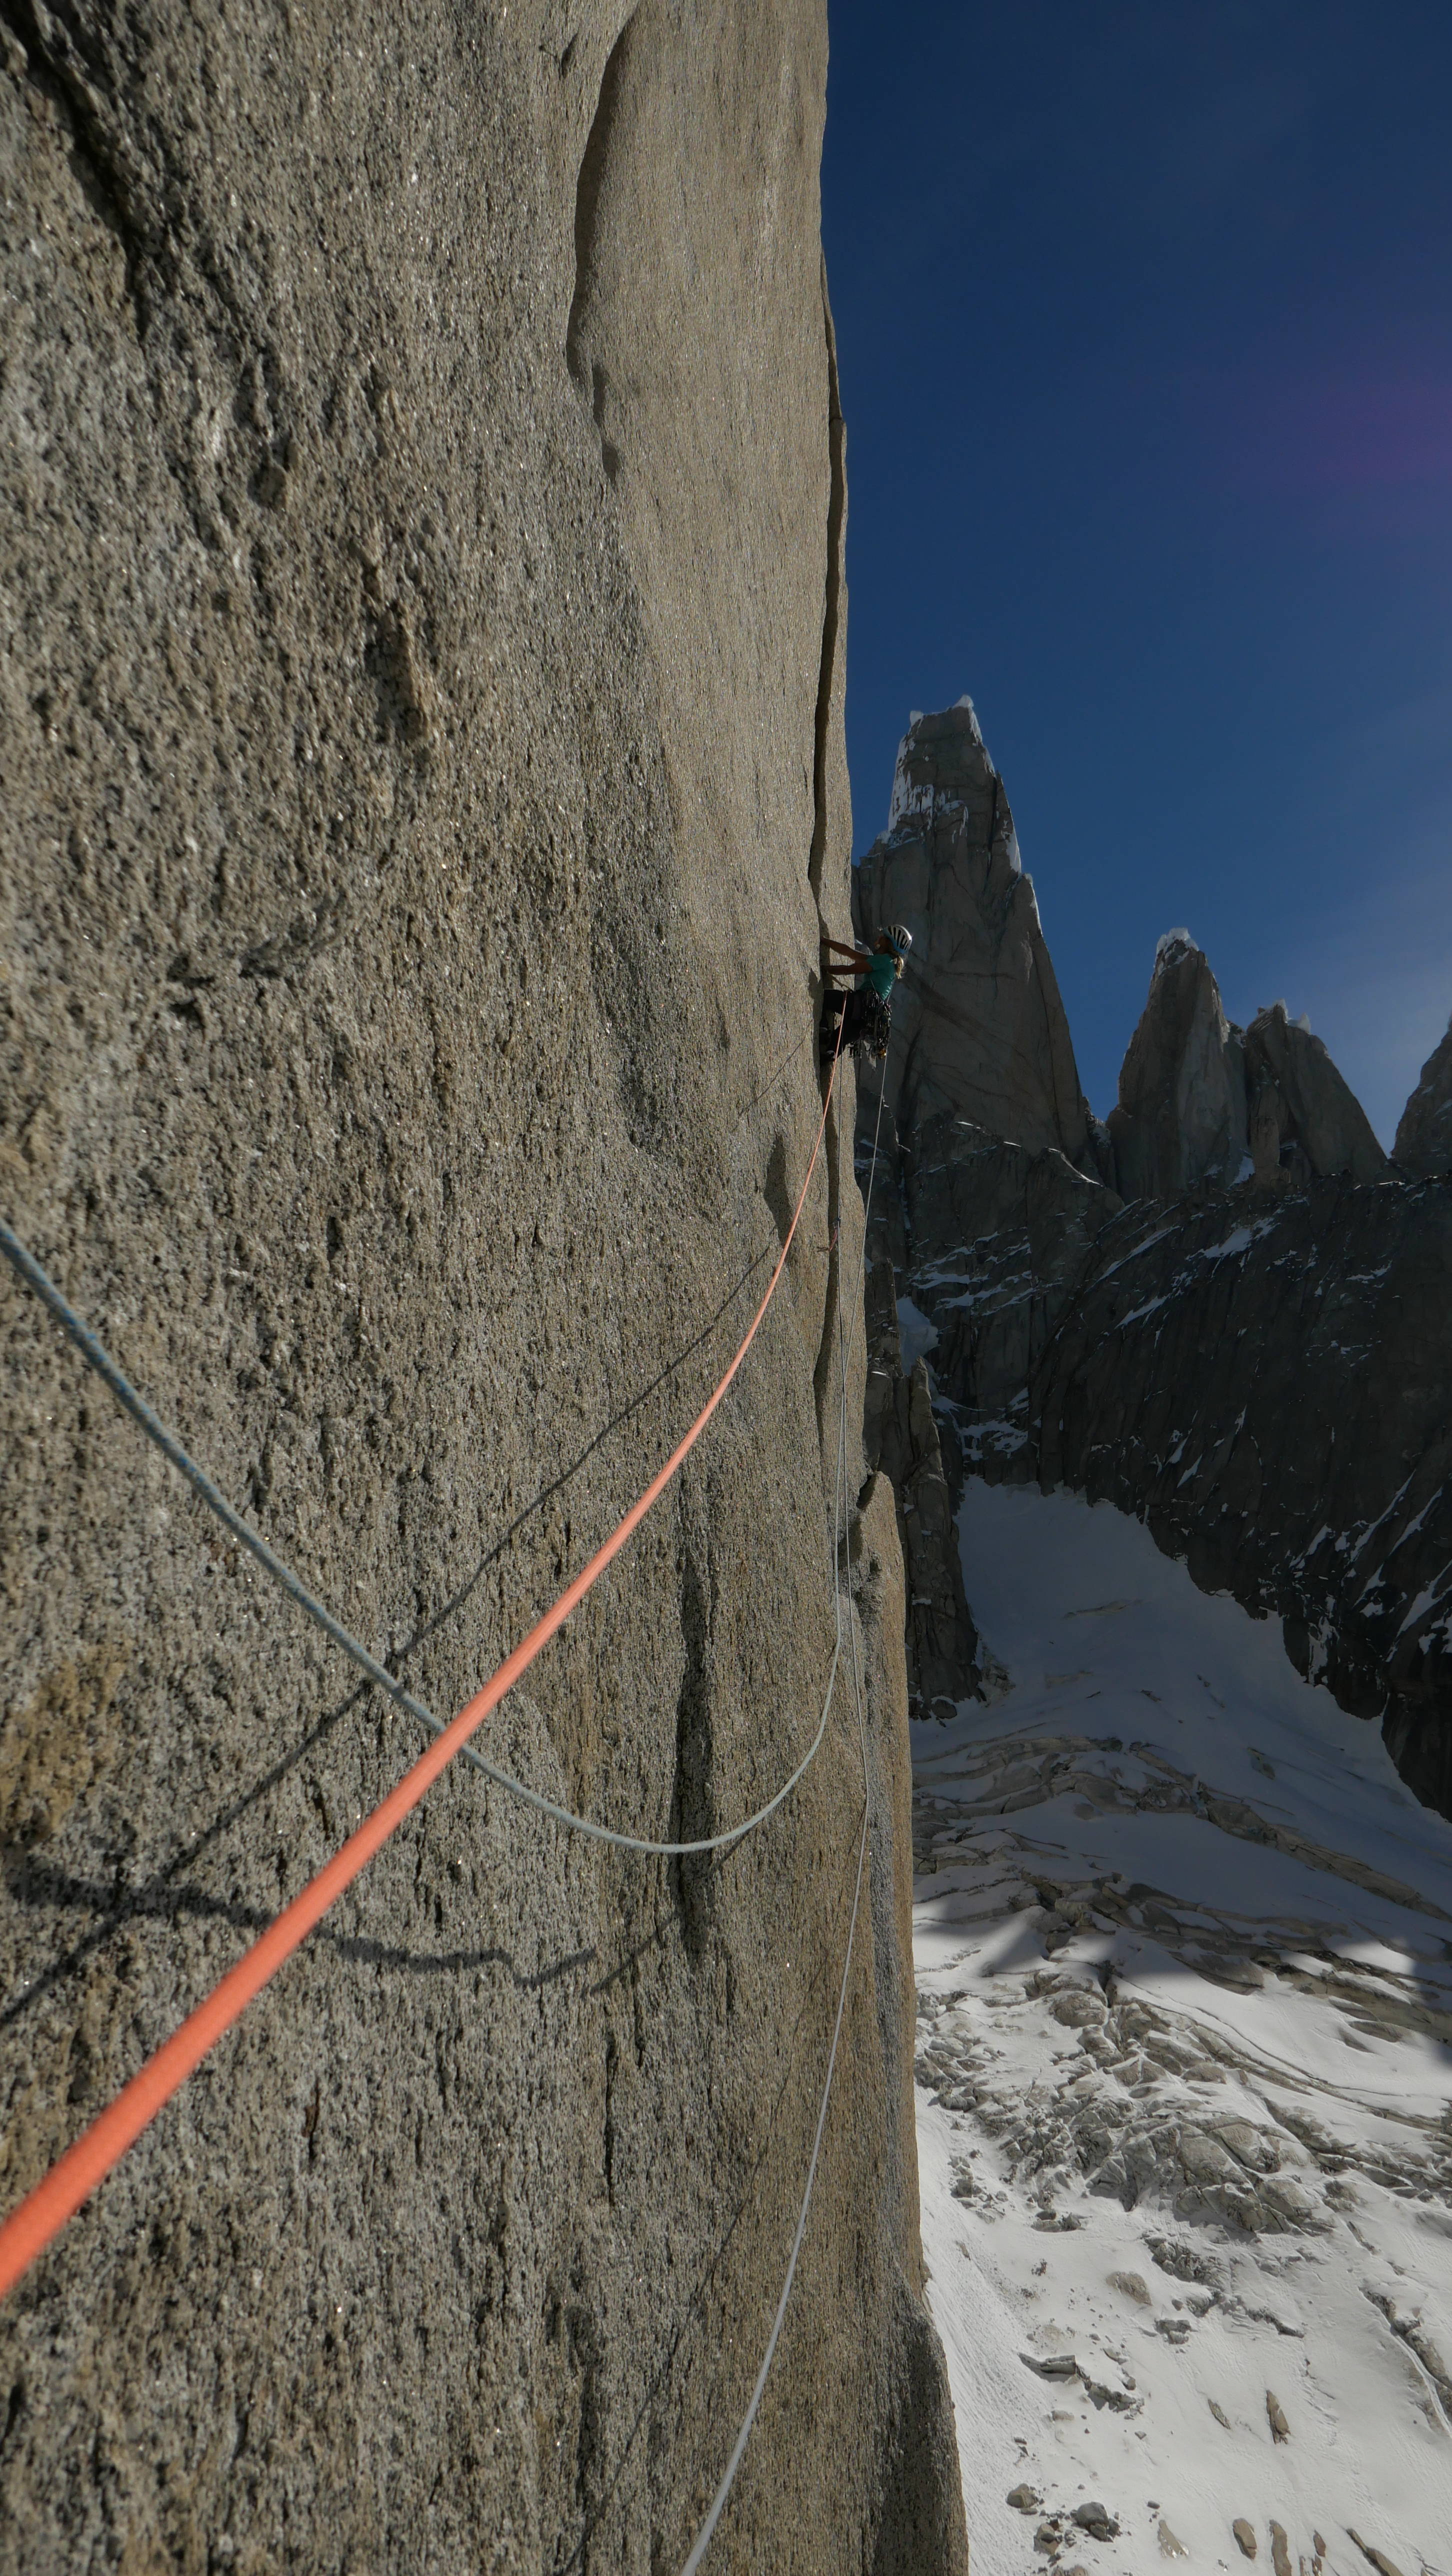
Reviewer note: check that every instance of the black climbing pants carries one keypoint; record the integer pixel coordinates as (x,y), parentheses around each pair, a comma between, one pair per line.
(846,1007)
(865,1022)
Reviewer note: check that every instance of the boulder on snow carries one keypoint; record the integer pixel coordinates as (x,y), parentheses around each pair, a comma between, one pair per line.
(1424,1133)
(1097,2520)
(978,1027)
(1304,1119)
(1181,1116)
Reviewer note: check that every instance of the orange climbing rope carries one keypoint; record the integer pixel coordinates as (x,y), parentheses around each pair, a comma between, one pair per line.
(74,2176)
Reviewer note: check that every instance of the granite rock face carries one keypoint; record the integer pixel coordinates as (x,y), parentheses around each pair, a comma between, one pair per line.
(900,1436)
(1181,1113)
(1424,1132)
(1264,1382)
(423,508)
(978,1027)
(1203,1100)
(997,1238)
(1304,1119)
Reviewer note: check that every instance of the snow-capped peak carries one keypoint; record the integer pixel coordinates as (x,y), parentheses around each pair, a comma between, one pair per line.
(917,795)
(1171,947)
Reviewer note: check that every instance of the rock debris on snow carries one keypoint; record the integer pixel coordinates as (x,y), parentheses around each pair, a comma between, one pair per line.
(1096,2520)
(1374,2557)
(1140,1957)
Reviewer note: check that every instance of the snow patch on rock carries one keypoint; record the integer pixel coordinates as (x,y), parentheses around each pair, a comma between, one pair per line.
(1170,947)
(917,1334)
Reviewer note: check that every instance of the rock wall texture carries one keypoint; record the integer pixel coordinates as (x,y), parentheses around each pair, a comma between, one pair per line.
(900,1437)
(423,508)
(1262,1373)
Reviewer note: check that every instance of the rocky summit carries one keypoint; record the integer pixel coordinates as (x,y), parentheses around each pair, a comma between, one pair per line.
(422,521)
(1203,1100)
(1304,1120)
(1181,1113)
(978,1025)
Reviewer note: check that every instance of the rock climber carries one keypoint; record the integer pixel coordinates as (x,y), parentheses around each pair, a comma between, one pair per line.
(865,1012)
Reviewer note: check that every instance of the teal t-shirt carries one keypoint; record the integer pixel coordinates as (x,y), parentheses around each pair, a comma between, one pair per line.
(882,973)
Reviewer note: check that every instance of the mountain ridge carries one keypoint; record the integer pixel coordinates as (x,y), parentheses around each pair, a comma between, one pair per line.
(1227,1312)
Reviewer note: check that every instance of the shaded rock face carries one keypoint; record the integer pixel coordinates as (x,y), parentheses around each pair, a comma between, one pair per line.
(978,1026)
(424,617)
(1265,1384)
(1271,1398)
(1202,1100)
(1181,1113)
(995,1239)
(1304,1118)
(1424,1132)
(900,1436)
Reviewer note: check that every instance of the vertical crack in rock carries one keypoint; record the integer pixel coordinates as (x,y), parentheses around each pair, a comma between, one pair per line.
(824,1369)
(108,175)
(826,678)
(693,1805)
(587,210)
(832,607)
(117,184)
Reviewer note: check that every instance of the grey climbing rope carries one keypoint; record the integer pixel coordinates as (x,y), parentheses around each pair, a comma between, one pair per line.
(99,1358)
(738,2450)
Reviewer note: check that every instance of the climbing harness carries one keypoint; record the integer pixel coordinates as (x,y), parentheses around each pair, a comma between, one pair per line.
(876,1027)
(856,1024)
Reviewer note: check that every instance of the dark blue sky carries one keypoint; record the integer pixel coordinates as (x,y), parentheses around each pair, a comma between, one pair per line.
(1145,323)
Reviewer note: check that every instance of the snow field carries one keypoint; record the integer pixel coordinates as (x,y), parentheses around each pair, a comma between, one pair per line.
(1184,1957)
